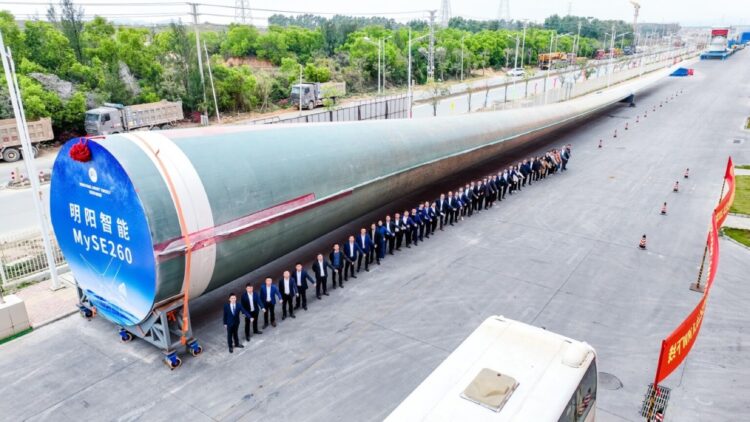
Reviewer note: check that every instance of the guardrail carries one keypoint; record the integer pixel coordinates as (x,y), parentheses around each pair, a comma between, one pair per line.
(393,107)
(22,258)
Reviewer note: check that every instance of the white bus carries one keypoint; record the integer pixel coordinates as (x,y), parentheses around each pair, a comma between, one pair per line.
(508,371)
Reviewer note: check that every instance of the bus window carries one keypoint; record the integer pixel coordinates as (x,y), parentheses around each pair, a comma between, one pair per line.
(583,399)
(586,393)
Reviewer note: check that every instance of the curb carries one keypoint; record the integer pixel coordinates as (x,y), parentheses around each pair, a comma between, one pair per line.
(725,237)
(54,319)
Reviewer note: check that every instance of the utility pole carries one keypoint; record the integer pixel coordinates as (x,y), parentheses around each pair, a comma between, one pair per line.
(211,78)
(523,45)
(611,56)
(194,12)
(431,52)
(408,77)
(28,158)
(300,89)
(380,52)
(462,57)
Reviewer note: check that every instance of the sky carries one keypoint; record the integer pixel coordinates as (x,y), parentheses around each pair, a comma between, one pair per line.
(686,12)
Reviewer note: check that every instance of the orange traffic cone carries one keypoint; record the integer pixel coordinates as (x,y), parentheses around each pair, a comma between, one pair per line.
(642,243)
(687,171)
(600,143)
(664,209)
(626,125)
(676,187)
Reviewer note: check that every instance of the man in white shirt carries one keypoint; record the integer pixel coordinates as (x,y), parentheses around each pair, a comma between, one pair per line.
(252,303)
(288,290)
(301,278)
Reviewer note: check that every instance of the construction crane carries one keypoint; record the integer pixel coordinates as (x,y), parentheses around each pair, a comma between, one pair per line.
(637,8)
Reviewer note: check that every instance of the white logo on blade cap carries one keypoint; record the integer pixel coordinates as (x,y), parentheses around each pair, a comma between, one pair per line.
(92,175)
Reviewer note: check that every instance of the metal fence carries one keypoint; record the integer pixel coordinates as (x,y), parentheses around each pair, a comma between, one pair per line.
(395,107)
(22,258)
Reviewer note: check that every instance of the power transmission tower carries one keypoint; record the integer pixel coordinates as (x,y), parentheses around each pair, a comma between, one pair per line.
(194,14)
(503,12)
(445,13)
(431,52)
(242,11)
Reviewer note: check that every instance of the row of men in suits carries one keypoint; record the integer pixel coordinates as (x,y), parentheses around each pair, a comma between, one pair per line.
(383,237)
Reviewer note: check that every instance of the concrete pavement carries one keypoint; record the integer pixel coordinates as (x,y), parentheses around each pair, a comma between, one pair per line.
(561,254)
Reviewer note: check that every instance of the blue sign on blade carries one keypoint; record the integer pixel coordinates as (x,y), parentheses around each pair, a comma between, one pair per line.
(102,230)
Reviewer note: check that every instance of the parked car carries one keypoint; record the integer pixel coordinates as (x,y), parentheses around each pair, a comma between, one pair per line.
(519,71)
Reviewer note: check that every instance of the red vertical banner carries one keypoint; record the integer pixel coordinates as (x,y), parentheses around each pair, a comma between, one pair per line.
(677,345)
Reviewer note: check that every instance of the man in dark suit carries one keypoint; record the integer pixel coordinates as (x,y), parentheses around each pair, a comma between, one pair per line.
(454,205)
(429,210)
(351,253)
(424,222)
(288,290)
(252,303)
(467,203)
(232,311)
(479,194)
(416,227)
(389,233)
(364,241)
(503,182)
(336,258)
(378,235)
(301,278)
(269,294)
(489,193)
(398,230)
(536,168)
(442,208)
(321,267)
(406,227)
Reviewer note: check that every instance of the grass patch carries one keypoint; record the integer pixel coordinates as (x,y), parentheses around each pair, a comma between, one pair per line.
(742,196)
(15,336)
(740,235)
(743,167)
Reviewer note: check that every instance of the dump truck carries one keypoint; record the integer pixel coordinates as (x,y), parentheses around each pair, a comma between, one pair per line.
(117,118)
(314,93)
(545,59)
(10,144)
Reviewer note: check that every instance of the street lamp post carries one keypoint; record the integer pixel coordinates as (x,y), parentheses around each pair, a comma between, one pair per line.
(409,91)
(553,39)
(611,56)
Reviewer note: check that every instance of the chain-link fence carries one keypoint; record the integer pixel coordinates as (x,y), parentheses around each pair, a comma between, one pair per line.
(22,258)
(394,107)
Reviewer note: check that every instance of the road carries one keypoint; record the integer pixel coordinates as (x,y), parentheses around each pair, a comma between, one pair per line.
(562,254)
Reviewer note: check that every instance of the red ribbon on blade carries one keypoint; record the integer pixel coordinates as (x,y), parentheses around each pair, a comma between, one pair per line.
(80,152)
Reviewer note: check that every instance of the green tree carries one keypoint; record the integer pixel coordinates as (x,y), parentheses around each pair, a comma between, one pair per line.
(235,87)
(12,35)
(240,41)
(70,115)
(48,47)
(315,73)
(71,22)
(272,46)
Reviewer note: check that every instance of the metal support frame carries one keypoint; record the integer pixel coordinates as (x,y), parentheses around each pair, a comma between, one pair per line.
(162,329)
